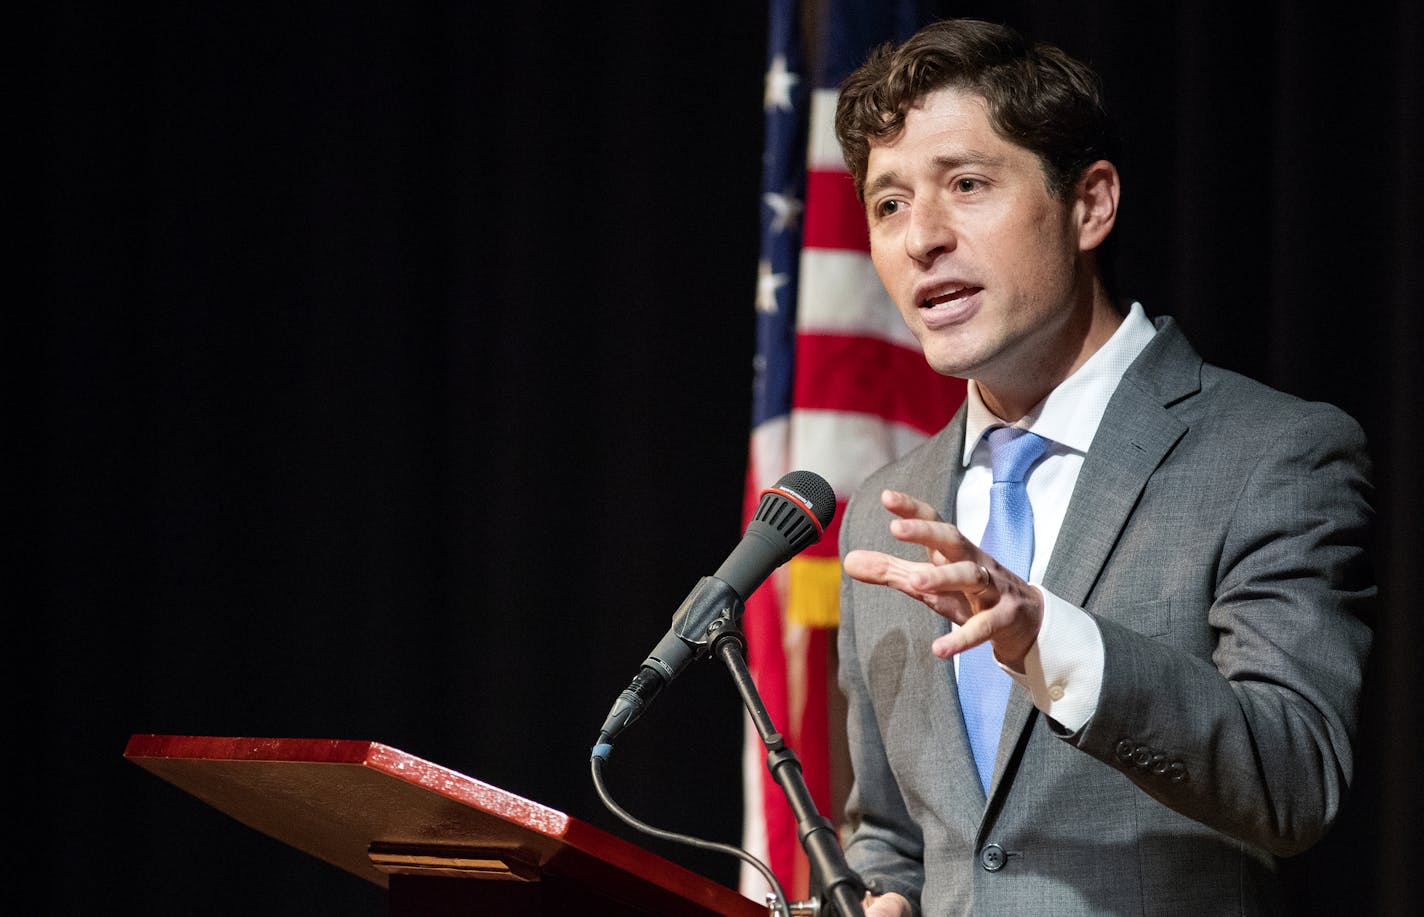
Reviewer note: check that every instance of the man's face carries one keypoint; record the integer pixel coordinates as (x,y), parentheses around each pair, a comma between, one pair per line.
(980,259)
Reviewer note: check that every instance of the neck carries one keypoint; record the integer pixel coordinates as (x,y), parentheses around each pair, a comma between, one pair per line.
(1083,334)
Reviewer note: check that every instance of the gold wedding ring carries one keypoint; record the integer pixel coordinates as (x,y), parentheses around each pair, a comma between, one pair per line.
(983,580)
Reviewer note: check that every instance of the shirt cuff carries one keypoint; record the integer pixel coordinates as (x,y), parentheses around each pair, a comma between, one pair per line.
(1063,670)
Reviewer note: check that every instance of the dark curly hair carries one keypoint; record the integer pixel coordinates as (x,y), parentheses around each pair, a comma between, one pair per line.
(1038,97)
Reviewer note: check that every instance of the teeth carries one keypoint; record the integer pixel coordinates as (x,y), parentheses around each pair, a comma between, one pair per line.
(944,297)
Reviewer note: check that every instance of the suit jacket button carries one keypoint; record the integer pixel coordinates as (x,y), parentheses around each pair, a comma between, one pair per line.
(1177,772)
(993,858)
(1141,755)
(1124,749)
(1159,764)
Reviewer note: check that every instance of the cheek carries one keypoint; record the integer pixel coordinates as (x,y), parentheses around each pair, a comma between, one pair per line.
(1043,257)
(890,270)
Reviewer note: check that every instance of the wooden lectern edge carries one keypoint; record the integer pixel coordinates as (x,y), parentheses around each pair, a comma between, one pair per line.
(407,767)
(200,765)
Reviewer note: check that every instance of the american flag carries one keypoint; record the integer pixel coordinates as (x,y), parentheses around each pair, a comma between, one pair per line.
(840,388)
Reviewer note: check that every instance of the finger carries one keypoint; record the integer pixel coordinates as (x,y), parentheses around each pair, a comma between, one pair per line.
(887,905)
(934,535)
(971,579)
(1008,613)
(908,507)
(923,582)
(971,632)
(882,569)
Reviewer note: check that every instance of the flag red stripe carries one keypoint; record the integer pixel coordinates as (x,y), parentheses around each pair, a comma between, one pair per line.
(813,740)
(834,217)
(828,546)
(841,372)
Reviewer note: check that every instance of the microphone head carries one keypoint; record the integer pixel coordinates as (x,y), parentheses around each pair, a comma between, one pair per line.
(798,507)
(813,492)
(792,515)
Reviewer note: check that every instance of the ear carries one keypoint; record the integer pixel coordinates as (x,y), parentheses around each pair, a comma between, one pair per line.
(1095,206)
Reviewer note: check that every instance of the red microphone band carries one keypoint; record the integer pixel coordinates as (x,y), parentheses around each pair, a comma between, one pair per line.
(794,498)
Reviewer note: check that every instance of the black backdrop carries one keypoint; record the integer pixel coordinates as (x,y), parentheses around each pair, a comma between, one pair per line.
(394,384)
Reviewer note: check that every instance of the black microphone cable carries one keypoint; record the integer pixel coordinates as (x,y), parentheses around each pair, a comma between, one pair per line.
(779,901)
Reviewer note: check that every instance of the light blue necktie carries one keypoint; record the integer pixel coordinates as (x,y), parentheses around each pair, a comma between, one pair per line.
(983,686)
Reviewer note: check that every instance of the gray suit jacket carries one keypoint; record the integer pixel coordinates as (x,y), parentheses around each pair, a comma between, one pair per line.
(1217,535)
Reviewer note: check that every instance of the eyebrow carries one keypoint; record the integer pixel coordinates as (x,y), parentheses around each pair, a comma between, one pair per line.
(941,163)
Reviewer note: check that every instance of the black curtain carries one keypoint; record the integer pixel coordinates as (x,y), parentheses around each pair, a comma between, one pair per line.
(394,384)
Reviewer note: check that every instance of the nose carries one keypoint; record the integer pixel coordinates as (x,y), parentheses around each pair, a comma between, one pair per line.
(930,232)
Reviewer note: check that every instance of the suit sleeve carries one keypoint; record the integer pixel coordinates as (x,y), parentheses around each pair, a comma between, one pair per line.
(1255,737)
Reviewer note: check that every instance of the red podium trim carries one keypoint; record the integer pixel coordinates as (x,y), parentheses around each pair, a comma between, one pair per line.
(375,811)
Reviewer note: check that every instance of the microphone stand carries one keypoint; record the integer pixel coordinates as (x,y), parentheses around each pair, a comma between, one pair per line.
(840,884)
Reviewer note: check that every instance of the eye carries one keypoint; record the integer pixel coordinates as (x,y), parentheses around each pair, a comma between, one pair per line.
(968,185)
(886,208)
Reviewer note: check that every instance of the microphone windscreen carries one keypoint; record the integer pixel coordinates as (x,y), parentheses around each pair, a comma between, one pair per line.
(812,490)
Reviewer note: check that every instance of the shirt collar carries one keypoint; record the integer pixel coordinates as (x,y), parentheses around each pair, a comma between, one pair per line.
(1070,414)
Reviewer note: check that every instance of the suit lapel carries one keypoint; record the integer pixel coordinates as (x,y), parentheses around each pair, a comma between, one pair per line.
(1136,433)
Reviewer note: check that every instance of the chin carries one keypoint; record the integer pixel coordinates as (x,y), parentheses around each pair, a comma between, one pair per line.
(949,367)
(945,355)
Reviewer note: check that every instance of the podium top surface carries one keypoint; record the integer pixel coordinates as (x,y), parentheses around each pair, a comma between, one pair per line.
(374,810)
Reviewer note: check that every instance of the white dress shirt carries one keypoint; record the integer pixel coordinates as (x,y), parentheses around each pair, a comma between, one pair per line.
(1064,668)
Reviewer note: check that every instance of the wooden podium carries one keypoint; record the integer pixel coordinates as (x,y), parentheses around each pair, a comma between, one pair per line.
(441,843)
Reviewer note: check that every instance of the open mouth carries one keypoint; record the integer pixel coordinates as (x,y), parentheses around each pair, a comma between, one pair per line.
(948,297)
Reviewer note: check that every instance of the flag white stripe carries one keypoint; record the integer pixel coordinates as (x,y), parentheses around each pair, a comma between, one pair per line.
(842,294)
(823,153)
(844,447)
(770,455)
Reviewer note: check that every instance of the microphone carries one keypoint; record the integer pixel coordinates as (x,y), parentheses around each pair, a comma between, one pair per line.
(792,515)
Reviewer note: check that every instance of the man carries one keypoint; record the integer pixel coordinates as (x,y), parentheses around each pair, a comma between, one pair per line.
(1182,643)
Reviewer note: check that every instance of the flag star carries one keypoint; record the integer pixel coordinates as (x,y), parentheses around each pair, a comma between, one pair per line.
(779,83)
(785,210)
(767,285)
